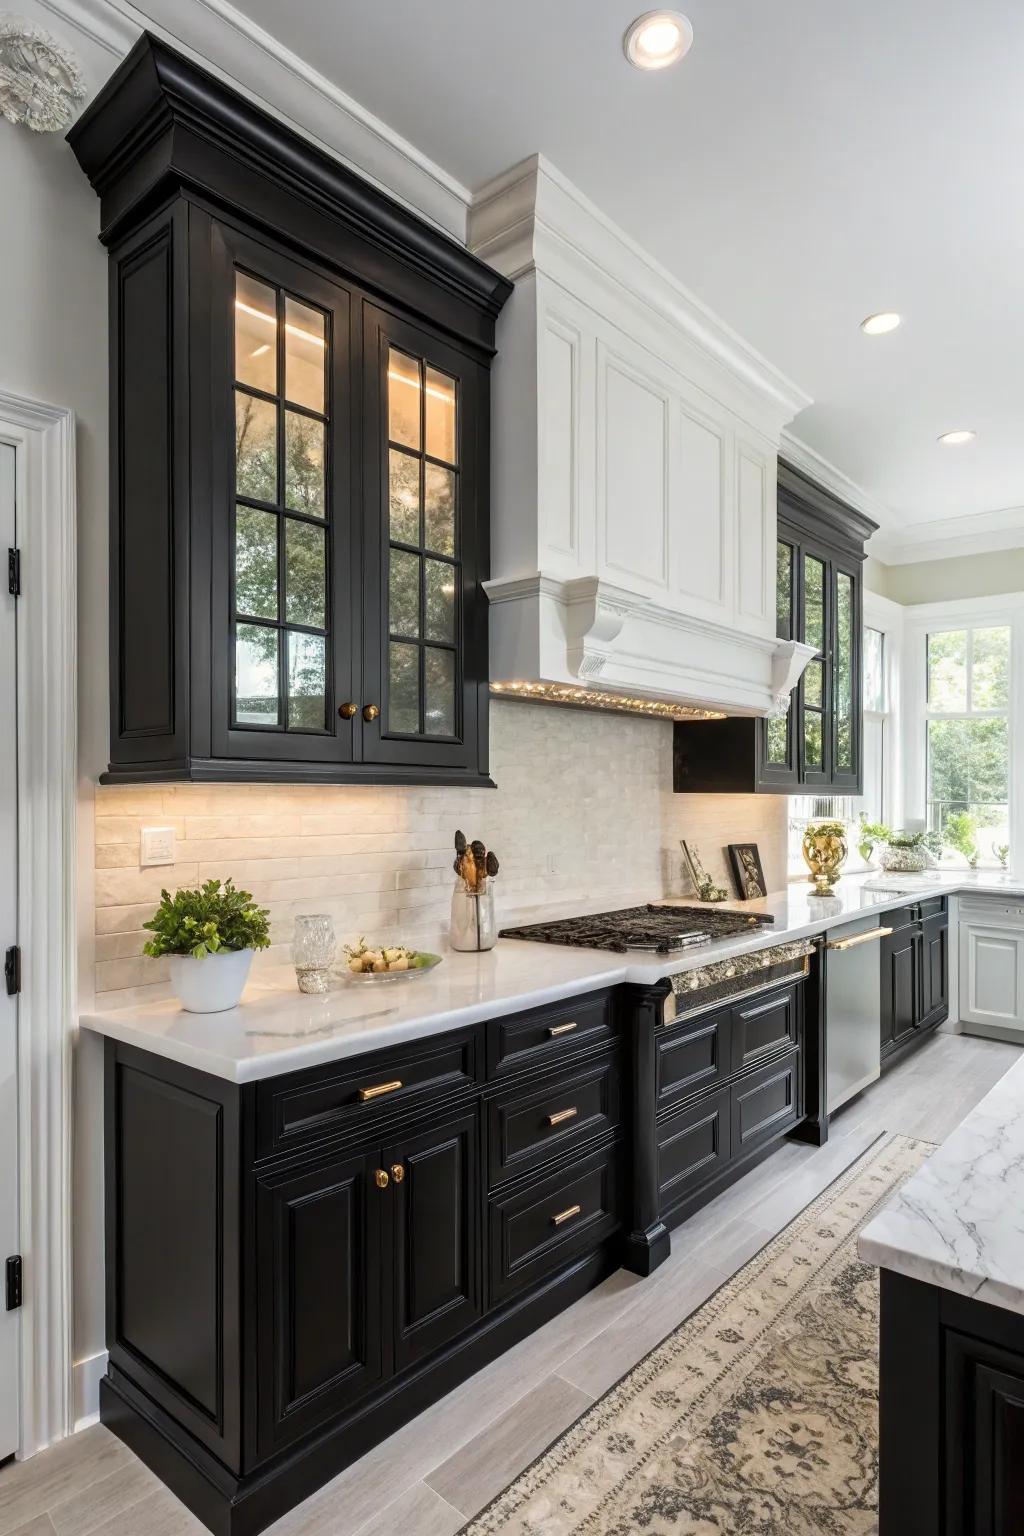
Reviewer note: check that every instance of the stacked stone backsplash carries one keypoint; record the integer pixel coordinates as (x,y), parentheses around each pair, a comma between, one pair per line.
(583,811)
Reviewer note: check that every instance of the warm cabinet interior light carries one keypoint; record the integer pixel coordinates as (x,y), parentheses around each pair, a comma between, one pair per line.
(657,38)
(960,435)
(882,324)
(293,330)
(592,698)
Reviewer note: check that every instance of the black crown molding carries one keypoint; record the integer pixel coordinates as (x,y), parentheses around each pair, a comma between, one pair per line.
(817,512)
(161,125)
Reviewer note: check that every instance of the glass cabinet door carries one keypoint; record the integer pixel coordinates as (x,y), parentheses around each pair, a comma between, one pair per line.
(285,524)
(421,559)
(813,692)
(778,736)
(846,700)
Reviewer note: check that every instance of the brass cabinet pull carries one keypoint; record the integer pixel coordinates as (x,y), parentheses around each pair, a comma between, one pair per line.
(563,1216)
(380,1178)
(870,937)
(561,1115)
(397,1172)
(365,1094)
(561,1029)
(348,711)
(370,712)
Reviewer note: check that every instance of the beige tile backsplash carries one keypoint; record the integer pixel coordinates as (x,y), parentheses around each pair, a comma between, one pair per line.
(584,810)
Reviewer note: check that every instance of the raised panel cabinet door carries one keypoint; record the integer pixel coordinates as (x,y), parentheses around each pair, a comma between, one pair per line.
(935,970)
(283,593)
(900,983)
(984,1436)
(319,1310)
(435,1204)
(634,474)
(423,699)
(703,530)
(992,968)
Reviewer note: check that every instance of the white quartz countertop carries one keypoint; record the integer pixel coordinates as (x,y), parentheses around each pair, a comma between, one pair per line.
(959,1221)
(277,1029)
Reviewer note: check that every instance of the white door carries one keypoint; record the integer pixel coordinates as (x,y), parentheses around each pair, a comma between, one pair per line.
(9,1331)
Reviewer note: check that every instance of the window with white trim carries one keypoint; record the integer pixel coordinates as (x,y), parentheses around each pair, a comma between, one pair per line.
(967,735)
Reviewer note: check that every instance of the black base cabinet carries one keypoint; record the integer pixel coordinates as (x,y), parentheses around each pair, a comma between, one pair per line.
(951,1413)
(296,1267)
(914,974)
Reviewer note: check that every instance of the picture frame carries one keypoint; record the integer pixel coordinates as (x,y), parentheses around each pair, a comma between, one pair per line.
(747,870)
(694,866)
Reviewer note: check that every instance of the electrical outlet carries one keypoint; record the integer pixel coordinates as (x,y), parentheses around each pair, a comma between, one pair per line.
(157,846)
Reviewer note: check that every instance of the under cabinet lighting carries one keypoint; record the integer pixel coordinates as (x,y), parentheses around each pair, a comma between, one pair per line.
(592,698)
(657,39)
(881,324)
(959,435)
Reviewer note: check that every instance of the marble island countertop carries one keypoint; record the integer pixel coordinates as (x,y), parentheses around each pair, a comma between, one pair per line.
(958,1222)
(277,1029)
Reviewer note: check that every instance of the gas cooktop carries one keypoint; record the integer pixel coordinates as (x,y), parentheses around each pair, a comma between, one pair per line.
(662,930)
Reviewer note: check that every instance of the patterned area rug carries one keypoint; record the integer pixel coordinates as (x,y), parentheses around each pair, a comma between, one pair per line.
(756,1417)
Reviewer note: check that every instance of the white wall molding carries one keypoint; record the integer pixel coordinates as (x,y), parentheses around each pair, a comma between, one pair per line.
(532,217)
(271,75)
(950,538)
(44,440)
(88,1374)
(798,453)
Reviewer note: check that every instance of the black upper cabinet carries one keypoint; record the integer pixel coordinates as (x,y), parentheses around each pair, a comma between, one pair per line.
(299,452)
(817,744)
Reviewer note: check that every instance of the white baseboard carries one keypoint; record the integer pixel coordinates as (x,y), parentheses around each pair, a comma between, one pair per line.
(86,1389)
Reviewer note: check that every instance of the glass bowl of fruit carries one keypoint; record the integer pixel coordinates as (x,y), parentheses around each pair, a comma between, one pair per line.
(386,962)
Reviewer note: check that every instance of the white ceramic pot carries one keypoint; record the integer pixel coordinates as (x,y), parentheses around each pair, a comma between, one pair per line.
(212,984)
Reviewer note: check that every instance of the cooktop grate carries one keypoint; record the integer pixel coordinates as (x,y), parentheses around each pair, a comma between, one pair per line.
(662,930)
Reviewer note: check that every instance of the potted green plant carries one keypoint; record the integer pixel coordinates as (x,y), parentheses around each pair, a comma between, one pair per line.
(209,936)
(869,835)
(905,853)
(961,833)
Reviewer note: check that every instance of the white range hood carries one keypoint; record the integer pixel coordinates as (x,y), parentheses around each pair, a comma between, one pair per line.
(634,443)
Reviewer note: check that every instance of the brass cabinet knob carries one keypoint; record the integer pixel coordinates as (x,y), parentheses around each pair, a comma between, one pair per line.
(348,711)
(380,1178)
(397,1172)
(370,712)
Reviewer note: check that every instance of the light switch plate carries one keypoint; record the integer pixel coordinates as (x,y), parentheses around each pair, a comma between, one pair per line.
(157,846)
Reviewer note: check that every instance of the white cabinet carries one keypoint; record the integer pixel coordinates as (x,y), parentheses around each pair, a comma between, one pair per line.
(992,966)
(634,459)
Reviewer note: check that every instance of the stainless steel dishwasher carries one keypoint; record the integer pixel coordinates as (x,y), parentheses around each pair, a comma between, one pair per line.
(853,1003)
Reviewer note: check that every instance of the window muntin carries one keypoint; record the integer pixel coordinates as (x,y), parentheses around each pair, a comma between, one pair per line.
(968,731)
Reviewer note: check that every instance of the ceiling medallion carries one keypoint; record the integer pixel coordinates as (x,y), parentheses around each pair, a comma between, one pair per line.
(41,83)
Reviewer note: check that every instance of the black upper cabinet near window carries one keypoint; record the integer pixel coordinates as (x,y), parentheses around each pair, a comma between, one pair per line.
(299,374)
(817,745)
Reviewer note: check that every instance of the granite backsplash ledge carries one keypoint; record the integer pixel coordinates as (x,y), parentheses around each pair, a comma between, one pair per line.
(583,810)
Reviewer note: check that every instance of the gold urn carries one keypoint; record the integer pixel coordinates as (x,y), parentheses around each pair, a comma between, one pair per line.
(824,849)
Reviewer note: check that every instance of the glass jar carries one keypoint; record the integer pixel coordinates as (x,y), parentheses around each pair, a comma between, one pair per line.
(473,926)
(313,949)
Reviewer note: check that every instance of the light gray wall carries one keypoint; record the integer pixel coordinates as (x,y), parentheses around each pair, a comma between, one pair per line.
(936,581)
(54,349)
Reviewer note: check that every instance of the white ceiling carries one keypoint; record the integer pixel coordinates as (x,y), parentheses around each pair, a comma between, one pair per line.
(807,164)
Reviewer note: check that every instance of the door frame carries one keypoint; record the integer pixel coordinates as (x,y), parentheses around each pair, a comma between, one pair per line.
(43,437)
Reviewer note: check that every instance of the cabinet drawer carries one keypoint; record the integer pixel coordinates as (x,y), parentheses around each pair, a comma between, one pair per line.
(694,1145)
(693,1057)
(545,1034)
(526,1126)
(765,1026)
(305,1107)
(766,1103)
(553,1220)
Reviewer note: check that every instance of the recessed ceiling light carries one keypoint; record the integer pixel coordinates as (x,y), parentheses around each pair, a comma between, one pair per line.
(955,438)
(881,325)
(657,38)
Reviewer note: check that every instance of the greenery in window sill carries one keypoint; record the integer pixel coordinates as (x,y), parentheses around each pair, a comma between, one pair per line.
(205,921)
